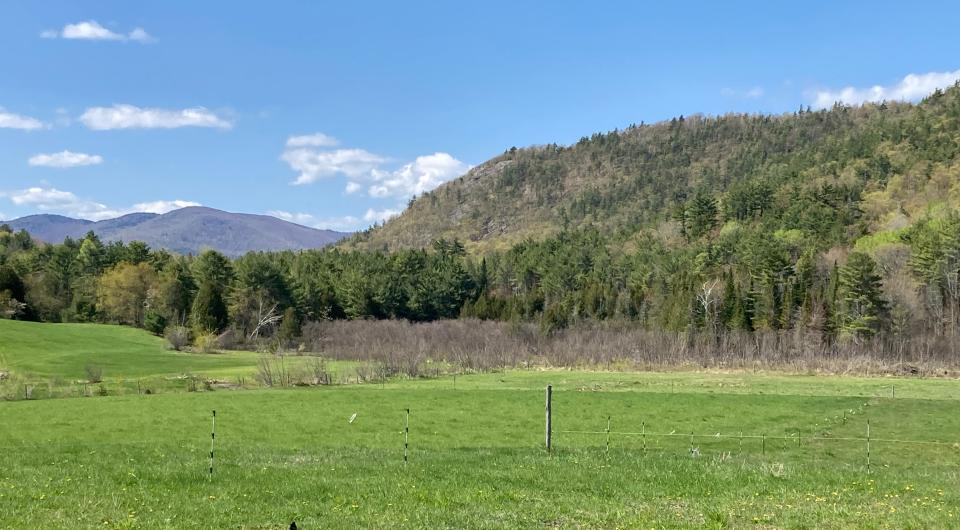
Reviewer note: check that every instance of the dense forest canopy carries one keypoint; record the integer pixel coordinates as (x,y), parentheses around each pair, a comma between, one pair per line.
(840,224)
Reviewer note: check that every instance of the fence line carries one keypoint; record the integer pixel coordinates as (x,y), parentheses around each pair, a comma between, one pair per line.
(760,436)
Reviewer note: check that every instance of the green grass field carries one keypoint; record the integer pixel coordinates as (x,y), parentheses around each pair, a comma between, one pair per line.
(477,458)
(36,350)
(52,360)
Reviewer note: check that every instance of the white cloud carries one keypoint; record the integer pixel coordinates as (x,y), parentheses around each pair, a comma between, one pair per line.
(910,88)
(422,175)
(379,216)
(52,200)
(312,140)
(9,120)
(140,35)
(89,30)
(92,30)
(347,223)
(162,207)
(308,156)
(314,165)
(65,159)
(132,117)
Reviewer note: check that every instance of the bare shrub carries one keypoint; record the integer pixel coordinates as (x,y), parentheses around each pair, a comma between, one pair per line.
(230,339)
(399,347)
(272,371)
(94,373)
(178,337)
(318,369)
(205,343)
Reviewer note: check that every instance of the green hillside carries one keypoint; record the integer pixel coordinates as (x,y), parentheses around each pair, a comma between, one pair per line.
(33,349)
(840,173)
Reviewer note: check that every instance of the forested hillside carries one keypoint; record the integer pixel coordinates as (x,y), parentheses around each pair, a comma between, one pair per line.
(812,231)
(835,174)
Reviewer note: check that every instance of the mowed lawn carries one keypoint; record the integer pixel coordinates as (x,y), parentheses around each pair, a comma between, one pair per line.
(476,455)
(36,350)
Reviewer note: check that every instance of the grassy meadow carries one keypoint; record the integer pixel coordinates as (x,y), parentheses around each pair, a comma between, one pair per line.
(476,457)
(52,360)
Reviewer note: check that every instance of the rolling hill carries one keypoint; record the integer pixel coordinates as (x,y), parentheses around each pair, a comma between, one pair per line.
(881,166)
(39,351)
(186,231)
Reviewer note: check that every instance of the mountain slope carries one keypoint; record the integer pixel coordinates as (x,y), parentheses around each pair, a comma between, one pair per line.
(186,231)
(874,165)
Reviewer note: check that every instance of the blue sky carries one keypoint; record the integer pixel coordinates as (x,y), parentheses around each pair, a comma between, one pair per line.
(334,114)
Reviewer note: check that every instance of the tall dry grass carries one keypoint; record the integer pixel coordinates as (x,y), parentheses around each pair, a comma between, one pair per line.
(414,349)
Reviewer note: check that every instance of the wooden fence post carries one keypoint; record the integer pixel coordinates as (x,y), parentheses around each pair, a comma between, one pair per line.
(549,426)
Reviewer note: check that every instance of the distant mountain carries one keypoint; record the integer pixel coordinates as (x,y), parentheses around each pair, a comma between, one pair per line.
(186,231)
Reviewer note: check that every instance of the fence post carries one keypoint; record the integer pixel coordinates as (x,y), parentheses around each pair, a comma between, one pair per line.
(549,426)
(213,438)
(608,435)
(763,444)
(868,446)
(643,434)
(406,436)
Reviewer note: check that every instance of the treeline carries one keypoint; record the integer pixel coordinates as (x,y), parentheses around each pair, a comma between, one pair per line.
(255,296)
(741,279)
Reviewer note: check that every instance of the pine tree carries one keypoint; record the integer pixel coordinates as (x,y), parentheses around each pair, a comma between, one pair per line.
(289,326)
(864,312)
(209,312)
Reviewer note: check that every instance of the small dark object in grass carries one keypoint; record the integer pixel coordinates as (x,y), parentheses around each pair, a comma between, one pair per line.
(101,390)
(293,525)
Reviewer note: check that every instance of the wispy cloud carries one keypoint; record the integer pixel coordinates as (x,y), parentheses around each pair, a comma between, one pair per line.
(132,117)
(52,200)
(910,88)
(379,216)
(92,30)
(312,140)
(346,223)
(314,159)
(750,93)
(161,207)
(9,120)
(65,159)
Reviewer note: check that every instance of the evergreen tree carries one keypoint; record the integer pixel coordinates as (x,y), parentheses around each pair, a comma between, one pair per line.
(11,283)
(864,312)
(289,326)
(209,312)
